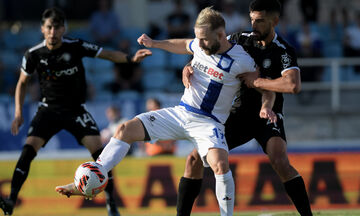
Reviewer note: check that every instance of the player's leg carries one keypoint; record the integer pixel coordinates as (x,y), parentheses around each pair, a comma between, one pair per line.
(271,137)
(43,126)
(93,144)
(114,151)
(82,125)
(209,138)
(190,184)
(293,182)
(217,158)
(21,171)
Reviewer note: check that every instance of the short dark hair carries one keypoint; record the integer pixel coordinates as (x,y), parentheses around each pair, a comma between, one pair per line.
(272,6)
(55,14)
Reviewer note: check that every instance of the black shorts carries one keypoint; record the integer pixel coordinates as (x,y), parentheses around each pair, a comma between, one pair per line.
(47,122)
(242,126)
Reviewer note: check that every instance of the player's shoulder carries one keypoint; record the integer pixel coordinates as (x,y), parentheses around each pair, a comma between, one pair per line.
(69,40)
(282,44)
(240,37)
(35,48)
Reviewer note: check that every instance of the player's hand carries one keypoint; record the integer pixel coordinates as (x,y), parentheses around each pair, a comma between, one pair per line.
(249,78)
(186,75)
(140,55)
(145,40)
(15,125)
(267,113)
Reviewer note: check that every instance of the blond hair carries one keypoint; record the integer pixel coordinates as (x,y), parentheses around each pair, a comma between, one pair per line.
(211,18)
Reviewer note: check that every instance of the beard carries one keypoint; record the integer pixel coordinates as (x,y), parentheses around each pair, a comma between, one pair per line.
(212,49)
(258,36)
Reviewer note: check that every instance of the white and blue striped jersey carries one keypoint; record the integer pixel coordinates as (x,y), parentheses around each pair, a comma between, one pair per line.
(214,82)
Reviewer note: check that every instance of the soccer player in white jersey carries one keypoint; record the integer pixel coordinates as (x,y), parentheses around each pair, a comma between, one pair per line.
(203,109)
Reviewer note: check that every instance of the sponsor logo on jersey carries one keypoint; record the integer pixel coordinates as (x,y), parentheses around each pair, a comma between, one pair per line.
(216,75)
(90,46)
(67,72)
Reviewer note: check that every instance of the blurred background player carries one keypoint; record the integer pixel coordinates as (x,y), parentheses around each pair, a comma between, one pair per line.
(160,147)
(58,63)
(113,115)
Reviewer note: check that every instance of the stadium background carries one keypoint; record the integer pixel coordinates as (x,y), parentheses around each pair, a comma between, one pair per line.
(322,122)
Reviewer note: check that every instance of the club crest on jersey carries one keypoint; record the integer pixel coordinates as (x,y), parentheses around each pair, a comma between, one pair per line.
(225,63)
(285,60)
(266,63)
(66,57)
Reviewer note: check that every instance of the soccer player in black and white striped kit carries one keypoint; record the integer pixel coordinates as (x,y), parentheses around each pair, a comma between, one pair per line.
(57,61)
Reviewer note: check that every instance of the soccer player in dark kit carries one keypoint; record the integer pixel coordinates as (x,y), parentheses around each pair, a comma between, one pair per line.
(58,63)
(279,73)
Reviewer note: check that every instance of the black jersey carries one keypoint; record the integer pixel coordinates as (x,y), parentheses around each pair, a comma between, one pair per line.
(61,71)
(273,59)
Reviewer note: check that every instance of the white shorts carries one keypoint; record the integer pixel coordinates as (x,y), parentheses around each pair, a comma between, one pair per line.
(177,123)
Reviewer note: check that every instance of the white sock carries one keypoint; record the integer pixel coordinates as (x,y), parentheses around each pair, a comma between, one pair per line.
(225,190)
(113,153)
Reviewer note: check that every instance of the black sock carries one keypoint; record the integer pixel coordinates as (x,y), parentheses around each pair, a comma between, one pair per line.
(109,190)
(110,185)
(295,188)
(96,154)
(188,190)
(21,171)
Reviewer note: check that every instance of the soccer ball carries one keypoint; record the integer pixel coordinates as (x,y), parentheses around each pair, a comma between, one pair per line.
(90,178)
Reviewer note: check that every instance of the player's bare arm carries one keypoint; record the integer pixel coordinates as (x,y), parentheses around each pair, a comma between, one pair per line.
(249,78)
(20,94)
(268,100)
(178,46)
(120,57)
(289,82)
(186,75)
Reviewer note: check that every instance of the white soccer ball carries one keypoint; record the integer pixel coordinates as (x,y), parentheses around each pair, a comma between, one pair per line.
(90,178)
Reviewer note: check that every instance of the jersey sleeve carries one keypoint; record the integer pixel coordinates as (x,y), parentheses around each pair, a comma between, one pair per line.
(244,63)
(88,49)
(194,45)
(28,66)
(288,59)
(234,37)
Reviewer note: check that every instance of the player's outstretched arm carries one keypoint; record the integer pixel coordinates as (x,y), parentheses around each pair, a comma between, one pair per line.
(20,93)
(120,57)
(178,46)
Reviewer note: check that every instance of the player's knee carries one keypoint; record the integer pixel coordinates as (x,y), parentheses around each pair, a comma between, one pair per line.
(280,163)
(220,167)
(122,132)
(194,167)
